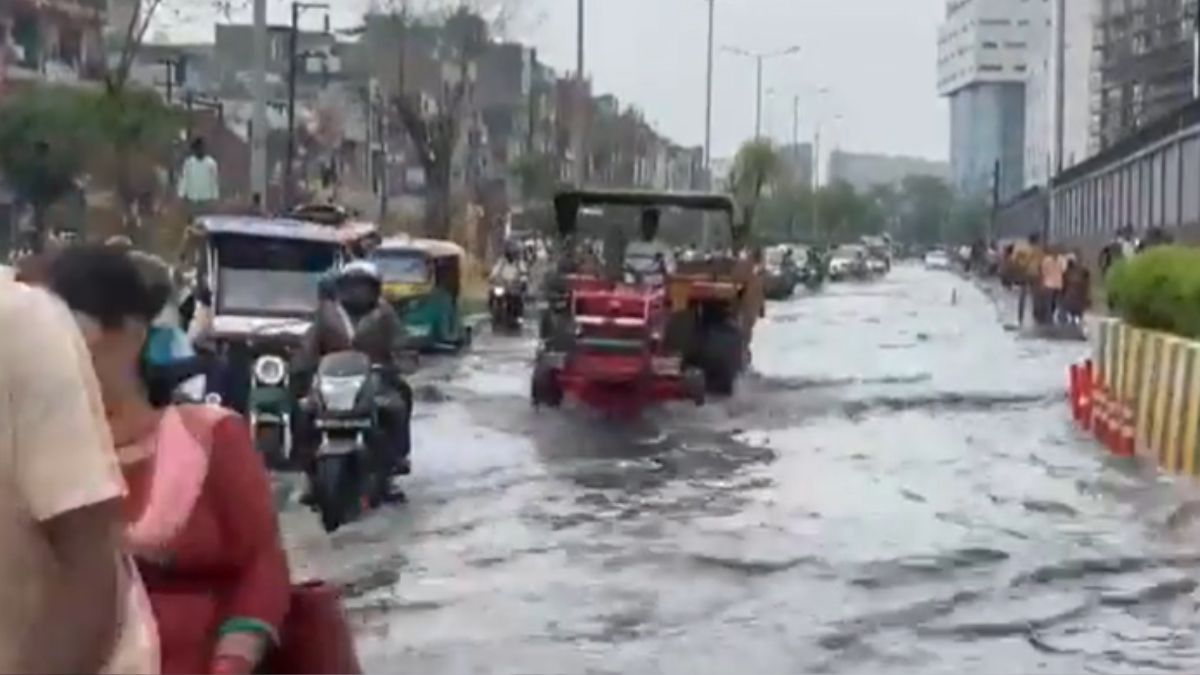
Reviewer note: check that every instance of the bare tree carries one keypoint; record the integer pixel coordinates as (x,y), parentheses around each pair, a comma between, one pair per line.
(435,131)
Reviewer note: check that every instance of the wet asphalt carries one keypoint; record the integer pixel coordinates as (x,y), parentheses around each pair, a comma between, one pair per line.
(896,488)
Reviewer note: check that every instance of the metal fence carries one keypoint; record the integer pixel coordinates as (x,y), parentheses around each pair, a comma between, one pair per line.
(1149,179)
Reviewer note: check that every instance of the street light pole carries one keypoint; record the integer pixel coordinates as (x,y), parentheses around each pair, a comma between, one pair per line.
(759,58)
(796,126)
(758,99)
(708,96)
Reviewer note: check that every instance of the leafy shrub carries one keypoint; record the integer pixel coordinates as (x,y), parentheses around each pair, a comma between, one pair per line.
(1158,289)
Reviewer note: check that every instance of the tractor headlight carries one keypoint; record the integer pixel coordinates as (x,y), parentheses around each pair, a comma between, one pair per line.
(270,370)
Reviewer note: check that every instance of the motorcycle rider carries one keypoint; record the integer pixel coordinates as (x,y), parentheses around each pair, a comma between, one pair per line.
(509,269)
(509,273)
(353,315)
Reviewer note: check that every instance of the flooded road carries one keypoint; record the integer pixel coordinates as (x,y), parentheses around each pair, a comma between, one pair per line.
(897,488)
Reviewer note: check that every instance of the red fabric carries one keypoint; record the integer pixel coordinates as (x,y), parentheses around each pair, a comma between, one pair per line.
(228,560)
(316,637)
(231,665)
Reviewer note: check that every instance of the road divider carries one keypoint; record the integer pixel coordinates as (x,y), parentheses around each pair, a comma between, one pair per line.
(1139,395)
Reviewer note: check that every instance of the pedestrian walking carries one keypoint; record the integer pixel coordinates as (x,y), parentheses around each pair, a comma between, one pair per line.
(199,181)
(1077,289)
(1053,267)
(72,603)
(1027,268)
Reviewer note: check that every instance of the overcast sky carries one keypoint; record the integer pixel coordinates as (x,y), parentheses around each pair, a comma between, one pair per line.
(877,57)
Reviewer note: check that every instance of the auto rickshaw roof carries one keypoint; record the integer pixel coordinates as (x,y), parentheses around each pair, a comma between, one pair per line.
(703,201)
(436,248)
(284,228)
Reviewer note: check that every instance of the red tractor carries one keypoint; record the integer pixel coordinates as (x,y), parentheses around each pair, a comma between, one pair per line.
(618,345)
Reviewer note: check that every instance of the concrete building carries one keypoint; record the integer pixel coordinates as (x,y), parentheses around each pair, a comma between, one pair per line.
(58,41)
(1143,64)
(1077,103)
(865,171)
(984,52)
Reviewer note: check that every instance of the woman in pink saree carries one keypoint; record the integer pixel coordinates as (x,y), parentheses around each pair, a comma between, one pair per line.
(201,523)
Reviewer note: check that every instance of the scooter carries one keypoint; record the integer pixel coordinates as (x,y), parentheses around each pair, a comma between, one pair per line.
(345,403)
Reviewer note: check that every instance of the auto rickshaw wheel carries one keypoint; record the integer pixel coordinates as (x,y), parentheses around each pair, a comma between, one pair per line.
(270,441)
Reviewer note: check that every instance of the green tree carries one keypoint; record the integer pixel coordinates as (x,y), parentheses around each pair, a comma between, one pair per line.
(756,166)
(138,131)
(925,205)
(46,136)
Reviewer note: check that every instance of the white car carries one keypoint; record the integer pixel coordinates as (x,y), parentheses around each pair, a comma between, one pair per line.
(937,260)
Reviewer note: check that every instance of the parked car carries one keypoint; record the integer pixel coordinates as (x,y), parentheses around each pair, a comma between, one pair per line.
(937,260)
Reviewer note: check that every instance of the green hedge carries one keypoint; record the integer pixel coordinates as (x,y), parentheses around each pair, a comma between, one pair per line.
(1158,289)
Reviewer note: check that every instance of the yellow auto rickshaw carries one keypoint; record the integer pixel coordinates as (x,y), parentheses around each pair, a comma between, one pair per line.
(422,278)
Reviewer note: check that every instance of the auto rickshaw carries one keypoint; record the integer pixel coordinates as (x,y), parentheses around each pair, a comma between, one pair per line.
(422,279)
(261,275)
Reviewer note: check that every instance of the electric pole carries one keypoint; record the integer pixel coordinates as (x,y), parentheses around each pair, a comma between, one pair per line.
(1196,53)
(581,98)
(259,127)
(289,188)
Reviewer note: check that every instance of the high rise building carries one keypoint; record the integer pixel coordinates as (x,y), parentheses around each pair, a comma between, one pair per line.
(984,52)
(1079,31)
(1143,64)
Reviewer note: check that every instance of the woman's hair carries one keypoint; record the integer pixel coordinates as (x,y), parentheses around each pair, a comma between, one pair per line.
(108,284)
(104,283)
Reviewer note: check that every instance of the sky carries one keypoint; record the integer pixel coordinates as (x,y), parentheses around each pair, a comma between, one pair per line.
(877,58)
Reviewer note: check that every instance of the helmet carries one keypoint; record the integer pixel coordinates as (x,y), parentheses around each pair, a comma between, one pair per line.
(361,269)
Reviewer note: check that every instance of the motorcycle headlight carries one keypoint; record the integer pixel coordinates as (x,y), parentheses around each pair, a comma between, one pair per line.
(498,292)
(270,370)
(339,394)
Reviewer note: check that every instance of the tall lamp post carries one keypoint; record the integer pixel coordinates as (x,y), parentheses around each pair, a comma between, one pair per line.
(708,96)
(759,59)
(293,56)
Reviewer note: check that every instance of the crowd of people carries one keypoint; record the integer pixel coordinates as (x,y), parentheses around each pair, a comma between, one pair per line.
(141,535)
(1053,281)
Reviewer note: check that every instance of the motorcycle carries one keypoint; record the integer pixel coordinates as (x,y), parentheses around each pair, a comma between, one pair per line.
(346,403)
(506,303)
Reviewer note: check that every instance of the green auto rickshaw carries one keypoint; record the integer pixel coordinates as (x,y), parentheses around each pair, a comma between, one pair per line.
(422,278)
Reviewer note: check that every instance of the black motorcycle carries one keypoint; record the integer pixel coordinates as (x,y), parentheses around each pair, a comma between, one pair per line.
(348,403)
(506,304)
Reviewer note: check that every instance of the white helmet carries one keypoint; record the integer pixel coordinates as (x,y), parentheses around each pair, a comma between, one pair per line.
(361,269)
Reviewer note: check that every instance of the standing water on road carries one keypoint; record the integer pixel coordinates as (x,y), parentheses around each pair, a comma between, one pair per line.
(897,488)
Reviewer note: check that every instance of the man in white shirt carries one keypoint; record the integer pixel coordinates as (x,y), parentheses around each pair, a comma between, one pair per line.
(199,181)
(649,259)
